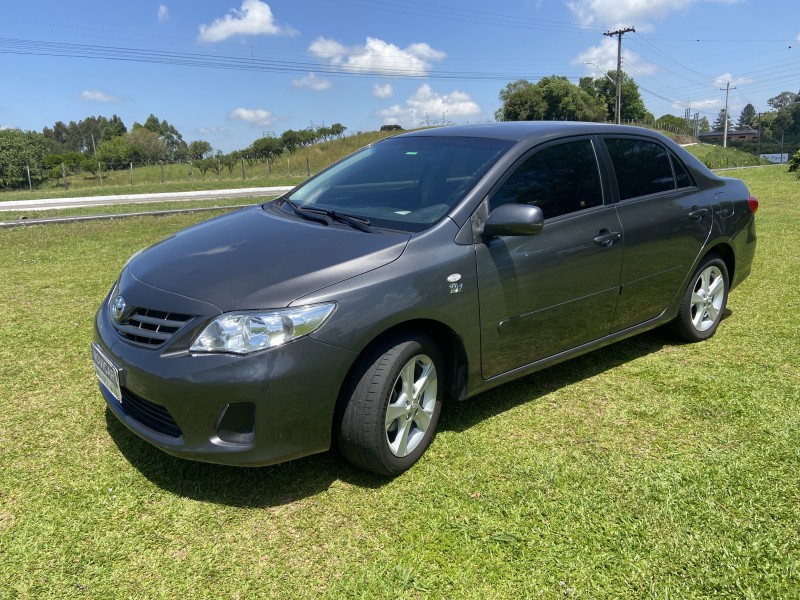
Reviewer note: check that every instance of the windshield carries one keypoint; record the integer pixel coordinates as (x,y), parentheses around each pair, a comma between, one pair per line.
(404,183)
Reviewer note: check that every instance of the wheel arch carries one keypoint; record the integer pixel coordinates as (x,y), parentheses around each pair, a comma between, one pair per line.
(725,252)
(450,344)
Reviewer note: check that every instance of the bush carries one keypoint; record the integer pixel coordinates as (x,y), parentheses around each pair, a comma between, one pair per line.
(794,162)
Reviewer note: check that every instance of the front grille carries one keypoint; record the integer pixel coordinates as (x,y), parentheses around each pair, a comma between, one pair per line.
(151,415)
(151,327)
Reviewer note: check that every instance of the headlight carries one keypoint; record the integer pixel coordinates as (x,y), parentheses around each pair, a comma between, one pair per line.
(245,332)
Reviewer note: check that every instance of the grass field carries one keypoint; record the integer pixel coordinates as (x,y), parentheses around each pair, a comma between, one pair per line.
(646,469)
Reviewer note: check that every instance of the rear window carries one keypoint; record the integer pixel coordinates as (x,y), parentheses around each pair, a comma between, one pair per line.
(642,167)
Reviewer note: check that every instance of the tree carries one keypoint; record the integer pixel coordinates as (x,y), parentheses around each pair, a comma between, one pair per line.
(150,148)
(229,161)
(291,140)
(551,98)
(198,149)
(703,125)
(604,89)
(783,100)
(116,152)
(522,101)
(719,122)
(747,117)
(176,148)
(21,152)
(337,130)
(113,127)
(266,148)
(671,122)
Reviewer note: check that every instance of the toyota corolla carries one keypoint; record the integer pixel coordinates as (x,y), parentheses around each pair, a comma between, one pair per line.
(420,270)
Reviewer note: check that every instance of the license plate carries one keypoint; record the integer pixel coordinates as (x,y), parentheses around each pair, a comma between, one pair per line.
(107,372)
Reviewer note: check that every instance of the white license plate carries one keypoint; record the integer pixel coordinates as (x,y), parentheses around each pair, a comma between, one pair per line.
(107,372)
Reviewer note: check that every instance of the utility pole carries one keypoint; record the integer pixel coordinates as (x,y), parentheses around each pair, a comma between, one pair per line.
(728,89)
(619,33)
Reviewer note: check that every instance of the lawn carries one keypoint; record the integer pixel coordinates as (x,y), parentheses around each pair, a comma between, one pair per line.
(646,469)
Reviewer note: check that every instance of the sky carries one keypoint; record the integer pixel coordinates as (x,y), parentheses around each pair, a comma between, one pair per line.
(230,71)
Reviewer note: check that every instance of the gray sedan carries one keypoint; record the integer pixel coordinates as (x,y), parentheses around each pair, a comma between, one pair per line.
(423,269)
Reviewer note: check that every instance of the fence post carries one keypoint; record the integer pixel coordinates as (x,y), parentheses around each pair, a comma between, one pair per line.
(100,172)
(243,175)
(287,166)
(131,172)
(64,175)
(161,164)
(191,169)
(308,167)
(28,170)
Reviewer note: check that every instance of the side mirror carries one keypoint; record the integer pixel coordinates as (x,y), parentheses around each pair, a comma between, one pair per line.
(514,219)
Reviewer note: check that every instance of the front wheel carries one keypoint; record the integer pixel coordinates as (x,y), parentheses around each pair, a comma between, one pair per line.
(392,406)
(703,302)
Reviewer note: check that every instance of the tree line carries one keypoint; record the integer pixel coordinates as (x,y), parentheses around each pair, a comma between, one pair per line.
(99,143)
(593,99)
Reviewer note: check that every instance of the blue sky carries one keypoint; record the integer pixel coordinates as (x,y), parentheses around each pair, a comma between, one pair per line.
(229,70)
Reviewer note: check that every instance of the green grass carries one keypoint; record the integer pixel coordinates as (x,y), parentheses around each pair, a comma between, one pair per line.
(717,157)
(646,469)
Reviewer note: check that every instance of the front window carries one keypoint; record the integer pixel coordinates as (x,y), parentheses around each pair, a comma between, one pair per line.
(559,179)
(404,183)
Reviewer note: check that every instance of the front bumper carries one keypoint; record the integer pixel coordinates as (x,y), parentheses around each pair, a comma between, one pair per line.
(253,410)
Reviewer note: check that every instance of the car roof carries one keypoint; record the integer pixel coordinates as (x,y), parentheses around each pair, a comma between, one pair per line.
(523,130)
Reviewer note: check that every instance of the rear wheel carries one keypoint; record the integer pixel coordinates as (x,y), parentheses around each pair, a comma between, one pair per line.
(703,302)
(392,406)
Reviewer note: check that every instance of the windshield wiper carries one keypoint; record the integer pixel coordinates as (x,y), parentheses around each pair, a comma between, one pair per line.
(305,213)
(310,213)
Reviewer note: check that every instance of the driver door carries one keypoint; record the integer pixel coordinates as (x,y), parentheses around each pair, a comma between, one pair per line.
(546,293)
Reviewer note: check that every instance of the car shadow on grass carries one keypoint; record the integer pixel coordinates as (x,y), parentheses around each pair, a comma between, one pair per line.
(460,416)
(249,487)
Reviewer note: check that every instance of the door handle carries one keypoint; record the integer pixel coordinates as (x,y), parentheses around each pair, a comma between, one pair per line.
(698,213)
(606,238)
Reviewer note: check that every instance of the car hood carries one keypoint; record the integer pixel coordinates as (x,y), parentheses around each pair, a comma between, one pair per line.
(252,259)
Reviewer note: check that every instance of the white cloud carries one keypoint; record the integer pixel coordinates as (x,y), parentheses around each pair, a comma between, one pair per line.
(97,96)
(604,55)
(378,56)
(311,81)
(2,127)
(629,12)
(722,80)
(700,105)
(163,13)
(382,91)
(254,18)
(428,105)
(212,130)
(257,117)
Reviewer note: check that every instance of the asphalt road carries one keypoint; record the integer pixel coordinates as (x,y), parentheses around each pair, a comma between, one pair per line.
(55,203)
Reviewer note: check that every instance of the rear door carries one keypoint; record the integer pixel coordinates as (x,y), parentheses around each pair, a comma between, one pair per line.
(545,293)
(666,221)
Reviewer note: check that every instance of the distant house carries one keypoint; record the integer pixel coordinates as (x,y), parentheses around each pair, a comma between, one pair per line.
(734,135)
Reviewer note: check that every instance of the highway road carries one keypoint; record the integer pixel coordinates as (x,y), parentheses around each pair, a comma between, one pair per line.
(55,203)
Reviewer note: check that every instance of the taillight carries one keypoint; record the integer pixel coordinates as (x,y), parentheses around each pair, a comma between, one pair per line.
(752,201)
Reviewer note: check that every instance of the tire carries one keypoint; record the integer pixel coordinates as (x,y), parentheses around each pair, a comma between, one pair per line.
(382,427)
(703,302)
